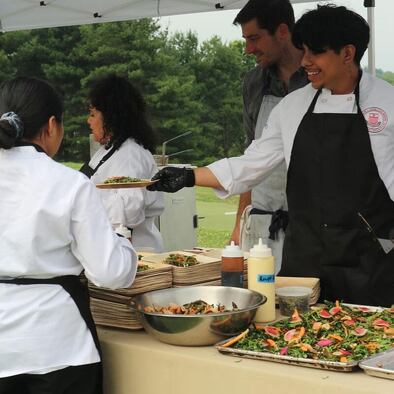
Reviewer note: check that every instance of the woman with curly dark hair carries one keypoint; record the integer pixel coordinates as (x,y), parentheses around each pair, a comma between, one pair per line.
(118,121)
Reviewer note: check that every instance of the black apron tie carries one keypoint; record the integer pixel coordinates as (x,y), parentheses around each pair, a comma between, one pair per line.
(279,220)
(80,295)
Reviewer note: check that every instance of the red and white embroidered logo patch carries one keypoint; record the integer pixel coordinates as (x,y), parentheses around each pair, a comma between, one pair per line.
(376,119)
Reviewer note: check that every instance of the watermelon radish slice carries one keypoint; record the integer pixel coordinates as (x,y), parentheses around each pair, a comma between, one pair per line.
(364,309)
(289,335)
(324,314)
(284,351)
(341,352)
(334,311)
(272,331)
(380,323)
(349,323)
(324,342)
(359,331)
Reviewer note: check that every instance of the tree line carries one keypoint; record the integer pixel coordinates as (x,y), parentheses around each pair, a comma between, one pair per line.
(188,86)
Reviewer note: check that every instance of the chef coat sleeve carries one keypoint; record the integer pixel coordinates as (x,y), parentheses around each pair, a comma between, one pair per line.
(240,174)
(108,260)
(124,206)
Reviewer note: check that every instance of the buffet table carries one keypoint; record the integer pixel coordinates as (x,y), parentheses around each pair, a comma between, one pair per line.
(135,363)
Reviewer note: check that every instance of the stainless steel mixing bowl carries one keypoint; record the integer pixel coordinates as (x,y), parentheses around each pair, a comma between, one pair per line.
(198,330)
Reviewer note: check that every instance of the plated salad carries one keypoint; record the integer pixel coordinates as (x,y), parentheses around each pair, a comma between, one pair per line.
(330,332)
(122,179)
(180,260)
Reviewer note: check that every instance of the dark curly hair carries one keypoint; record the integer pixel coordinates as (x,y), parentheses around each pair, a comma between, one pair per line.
(124,111)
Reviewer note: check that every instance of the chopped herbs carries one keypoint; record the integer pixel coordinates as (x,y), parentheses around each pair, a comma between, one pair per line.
(122,179)
(332,332)
(180,260)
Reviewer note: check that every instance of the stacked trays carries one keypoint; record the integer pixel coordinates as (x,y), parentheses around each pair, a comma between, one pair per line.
(206,272)
(112,307)
(113,310)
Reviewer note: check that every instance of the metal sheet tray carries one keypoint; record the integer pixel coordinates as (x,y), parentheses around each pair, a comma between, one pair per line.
(303,362)
(380,365)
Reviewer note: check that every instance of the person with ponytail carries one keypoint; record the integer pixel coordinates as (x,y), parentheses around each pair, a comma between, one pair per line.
(52,227)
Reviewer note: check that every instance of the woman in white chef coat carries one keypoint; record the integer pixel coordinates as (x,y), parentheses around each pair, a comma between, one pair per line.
(118,121)
(52,226)
(336,136)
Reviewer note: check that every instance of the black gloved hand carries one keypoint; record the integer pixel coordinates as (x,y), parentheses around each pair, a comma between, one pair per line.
(172,179)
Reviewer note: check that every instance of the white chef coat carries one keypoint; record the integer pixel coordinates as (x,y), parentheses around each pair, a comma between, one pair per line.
(239,174)
(52,223)
(135,208)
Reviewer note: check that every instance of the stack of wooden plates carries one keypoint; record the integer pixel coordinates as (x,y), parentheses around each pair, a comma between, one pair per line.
(112,307)
(113,310)
(207,269)
(312,283)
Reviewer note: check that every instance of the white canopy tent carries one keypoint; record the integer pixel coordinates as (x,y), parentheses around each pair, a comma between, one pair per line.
(32,14)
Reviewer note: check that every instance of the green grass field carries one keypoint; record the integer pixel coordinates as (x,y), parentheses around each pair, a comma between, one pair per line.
(216,216)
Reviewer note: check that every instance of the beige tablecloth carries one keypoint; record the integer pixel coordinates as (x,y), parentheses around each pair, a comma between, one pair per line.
(135,363)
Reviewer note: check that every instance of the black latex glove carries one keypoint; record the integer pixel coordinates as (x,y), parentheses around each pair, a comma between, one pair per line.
(172,179)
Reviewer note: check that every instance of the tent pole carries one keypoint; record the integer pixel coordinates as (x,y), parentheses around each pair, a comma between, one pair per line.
(370,5)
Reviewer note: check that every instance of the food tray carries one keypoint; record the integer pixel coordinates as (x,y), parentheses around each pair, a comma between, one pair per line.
(380,365)
(207,269)
(304,362)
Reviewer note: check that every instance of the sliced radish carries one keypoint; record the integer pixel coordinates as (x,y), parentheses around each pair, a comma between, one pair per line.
(325,342)
(324,314)
(272,331)
(359,331)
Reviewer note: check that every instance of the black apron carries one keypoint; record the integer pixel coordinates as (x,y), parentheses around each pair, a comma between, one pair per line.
(332,178)
(89,171)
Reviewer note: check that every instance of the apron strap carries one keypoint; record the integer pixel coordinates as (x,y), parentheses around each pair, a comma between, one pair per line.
(356,93)
(313,102)
(89,171)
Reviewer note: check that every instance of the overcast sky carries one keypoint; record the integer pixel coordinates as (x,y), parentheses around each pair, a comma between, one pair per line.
(220,23)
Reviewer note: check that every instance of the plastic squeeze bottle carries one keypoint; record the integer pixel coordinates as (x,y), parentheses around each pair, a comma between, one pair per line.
(232,266)
(261,278)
